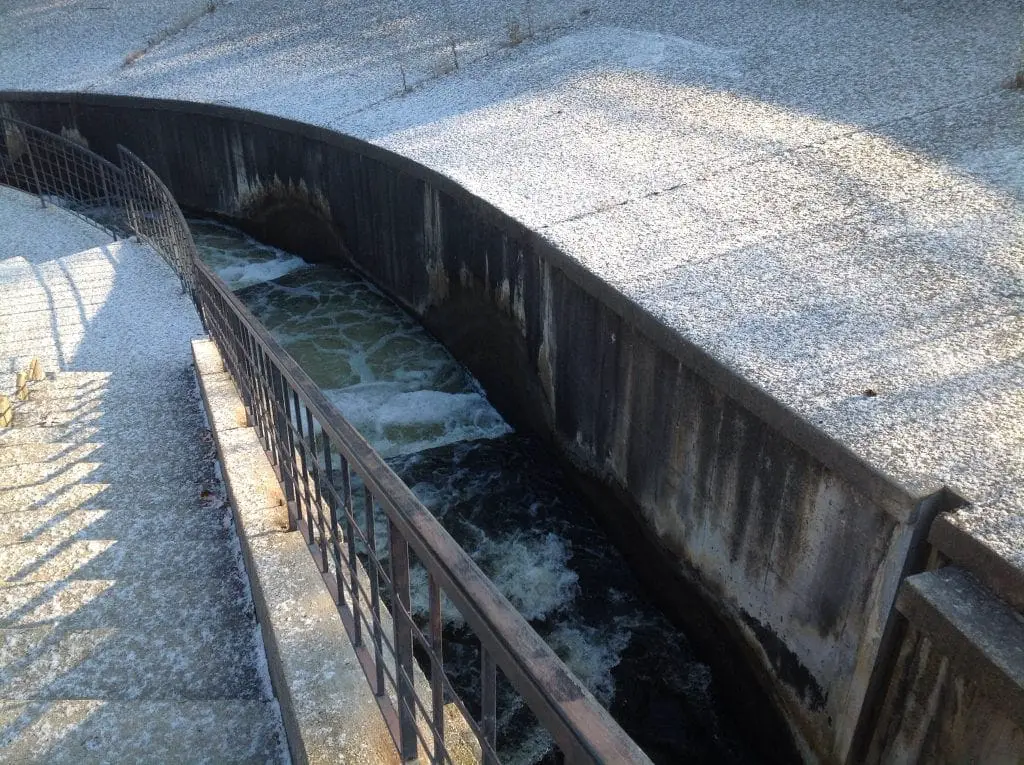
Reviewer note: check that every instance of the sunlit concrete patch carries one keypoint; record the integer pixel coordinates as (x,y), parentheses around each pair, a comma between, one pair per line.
(93,603)
(112,559)
(98,52)
(92,732)
(224,407)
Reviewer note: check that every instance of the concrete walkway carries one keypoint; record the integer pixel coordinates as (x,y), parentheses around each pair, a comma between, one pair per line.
(126,625)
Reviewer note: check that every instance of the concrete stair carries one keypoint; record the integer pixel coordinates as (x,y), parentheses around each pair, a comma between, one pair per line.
(127,632)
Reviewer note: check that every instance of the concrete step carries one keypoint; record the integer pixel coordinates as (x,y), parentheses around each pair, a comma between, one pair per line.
(973,627)
(159,504)
(91,732)
(26,483)
(20,435)
(96,603)
(66,303)
(128,423)
(988,541)
(172,662)
(22,454)
(135,558)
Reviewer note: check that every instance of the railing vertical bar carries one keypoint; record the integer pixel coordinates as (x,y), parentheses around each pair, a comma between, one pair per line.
(371,544)
(268,413)
(488,705)
(285,439)
(399,555)
(436,665)
(353,562)
(35,171)
(339,579)
(303,469)
(321,531)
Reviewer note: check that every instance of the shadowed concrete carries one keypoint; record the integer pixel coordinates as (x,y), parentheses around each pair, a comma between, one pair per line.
(121,572)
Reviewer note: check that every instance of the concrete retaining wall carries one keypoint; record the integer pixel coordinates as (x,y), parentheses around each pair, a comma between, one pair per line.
(798,546)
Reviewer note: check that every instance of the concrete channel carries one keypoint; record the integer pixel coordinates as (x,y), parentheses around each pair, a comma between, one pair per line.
(783,543)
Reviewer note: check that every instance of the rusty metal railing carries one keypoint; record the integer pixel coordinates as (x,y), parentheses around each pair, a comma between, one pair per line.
(337,489)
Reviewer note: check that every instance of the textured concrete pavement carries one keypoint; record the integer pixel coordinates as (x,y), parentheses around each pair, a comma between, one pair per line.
(126,624)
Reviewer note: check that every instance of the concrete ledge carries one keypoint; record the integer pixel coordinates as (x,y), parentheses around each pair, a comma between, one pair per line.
(970,551)
(980,634)
(329,712)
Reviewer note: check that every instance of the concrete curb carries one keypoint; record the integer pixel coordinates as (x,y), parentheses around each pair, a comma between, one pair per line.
(329,711)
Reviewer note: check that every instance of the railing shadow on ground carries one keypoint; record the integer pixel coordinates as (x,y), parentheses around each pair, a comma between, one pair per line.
(69,528)
(322,461)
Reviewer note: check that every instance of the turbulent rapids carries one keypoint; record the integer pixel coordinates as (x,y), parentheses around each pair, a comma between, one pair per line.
(497,493)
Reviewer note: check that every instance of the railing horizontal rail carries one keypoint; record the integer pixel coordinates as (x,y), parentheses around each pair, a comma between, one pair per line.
(304,434)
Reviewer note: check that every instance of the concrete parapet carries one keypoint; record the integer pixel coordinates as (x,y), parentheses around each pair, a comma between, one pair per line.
(994,555)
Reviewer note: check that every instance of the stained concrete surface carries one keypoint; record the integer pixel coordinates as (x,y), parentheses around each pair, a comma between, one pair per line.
(126,625)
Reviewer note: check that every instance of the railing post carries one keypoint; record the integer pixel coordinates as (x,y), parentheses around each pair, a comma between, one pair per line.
(436,664)
(353,562)
(373,564)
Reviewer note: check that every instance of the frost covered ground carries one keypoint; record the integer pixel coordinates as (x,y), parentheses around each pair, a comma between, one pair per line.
(126,623)
(828,196)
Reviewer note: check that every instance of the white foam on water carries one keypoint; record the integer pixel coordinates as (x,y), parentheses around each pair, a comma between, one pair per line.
(420,599)
(240,260)
(397,420)
(530,751)
(239,273)
(592,653)
(531,572)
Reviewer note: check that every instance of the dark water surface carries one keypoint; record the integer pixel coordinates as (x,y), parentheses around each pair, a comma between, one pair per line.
(499,494)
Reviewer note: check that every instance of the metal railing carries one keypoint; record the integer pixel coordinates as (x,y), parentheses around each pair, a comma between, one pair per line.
(118,200)
(63,172)
(338,489)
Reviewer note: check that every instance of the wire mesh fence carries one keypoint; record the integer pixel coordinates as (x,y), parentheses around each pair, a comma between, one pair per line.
(130,199)
(62,172)
(389,565)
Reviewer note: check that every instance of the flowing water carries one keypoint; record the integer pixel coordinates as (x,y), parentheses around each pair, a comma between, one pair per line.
(497,493)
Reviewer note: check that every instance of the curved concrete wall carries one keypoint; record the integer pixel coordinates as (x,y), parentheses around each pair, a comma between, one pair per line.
(798,544)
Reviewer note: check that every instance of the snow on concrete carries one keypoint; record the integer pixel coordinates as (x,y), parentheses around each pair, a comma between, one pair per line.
(119,566)
(827,196)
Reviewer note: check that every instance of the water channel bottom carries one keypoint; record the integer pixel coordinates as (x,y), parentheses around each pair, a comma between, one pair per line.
(498,494)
